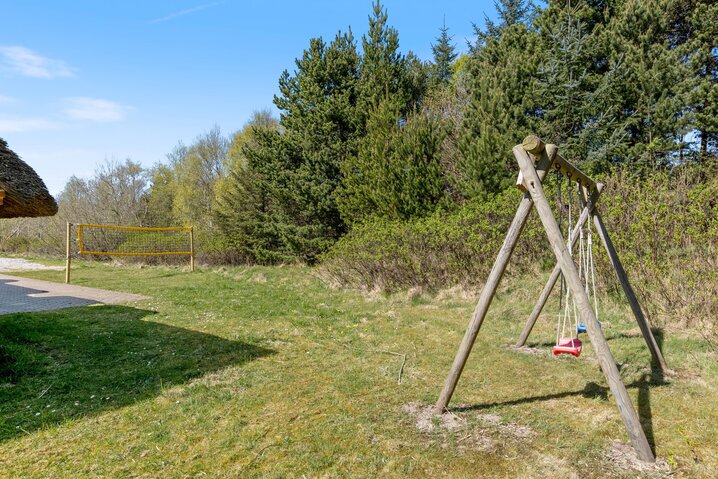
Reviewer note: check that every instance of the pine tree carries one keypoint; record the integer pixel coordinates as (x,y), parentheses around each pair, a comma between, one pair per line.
(301,164)
(444,55)
(397,172)
(693,30)
(704,98)
(651,102)
(577,93)
(501,110)
(510,12)
(384,70)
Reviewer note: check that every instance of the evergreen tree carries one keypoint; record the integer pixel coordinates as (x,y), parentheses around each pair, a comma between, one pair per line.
(384,73)
(651,102)
(301,162)
(397,172)
(444,55)
(510,12)
(693,30)
(577,89)
(501,109)
(244,212)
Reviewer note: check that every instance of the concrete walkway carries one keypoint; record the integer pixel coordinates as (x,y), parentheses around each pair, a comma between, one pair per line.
(20,295)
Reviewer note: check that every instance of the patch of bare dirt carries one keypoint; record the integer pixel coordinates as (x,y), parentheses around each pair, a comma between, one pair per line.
(529,350)
(19,264)
(623,456)
(517,431)
(426,421)
(489,419)
(467,438)
(486,436)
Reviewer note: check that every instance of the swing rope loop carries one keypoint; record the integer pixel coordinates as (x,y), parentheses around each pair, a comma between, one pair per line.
(568,318)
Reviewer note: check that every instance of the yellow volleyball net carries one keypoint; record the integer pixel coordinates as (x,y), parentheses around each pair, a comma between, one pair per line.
(111,240)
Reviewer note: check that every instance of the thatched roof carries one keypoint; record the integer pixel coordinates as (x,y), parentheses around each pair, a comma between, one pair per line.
(25,193)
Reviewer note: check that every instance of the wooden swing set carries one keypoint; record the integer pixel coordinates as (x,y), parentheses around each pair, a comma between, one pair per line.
(535,160)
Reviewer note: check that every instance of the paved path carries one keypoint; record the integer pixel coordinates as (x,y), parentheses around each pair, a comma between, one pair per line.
(20,264)
(19,295)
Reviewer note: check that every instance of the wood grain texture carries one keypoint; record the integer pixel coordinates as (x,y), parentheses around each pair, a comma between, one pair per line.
(487,294)
(595,334)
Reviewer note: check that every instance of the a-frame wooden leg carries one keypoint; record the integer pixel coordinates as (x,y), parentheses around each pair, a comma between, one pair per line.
(603,353)
(487,293)
(556,273)
(630,294)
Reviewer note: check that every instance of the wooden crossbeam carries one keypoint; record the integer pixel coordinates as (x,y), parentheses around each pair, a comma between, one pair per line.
(532,142)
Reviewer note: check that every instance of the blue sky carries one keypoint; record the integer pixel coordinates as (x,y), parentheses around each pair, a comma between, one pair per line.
(84,81)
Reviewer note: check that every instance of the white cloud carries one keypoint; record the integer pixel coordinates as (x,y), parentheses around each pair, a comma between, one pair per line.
(6,99)
(25,62)
(95,109)
(186,11)
(21,125)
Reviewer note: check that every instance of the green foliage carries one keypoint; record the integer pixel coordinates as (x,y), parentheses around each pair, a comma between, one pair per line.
(396,173)
(298,168)
(664,226)
(694,31)
(499,113)
(444,55)
(243,208)
(372,134)
(197,169)
(438,251)
(161,196)
(648,103)
(383,73)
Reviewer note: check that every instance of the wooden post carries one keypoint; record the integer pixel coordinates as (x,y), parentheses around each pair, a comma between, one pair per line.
(545,160)
(630,294)
(68,252)
(541,302)
(191,248)
(603,353)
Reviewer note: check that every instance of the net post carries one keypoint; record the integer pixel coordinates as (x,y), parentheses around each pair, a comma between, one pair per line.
(191,248)
(68,253)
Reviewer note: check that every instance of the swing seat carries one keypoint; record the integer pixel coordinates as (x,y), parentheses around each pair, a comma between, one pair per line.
(570,346)
(581,328)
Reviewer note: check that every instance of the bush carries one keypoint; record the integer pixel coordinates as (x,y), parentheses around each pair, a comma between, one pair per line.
(442,250)
(664,226)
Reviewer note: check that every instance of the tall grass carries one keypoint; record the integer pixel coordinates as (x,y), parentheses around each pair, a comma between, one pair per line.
(664,225)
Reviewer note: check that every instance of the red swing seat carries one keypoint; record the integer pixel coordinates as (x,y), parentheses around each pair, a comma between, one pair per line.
(570,346)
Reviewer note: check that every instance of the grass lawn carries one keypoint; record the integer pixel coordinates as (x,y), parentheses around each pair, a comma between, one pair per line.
(267,372)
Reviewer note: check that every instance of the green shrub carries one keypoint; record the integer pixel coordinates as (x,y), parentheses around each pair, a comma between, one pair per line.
(664,226)
(441,250)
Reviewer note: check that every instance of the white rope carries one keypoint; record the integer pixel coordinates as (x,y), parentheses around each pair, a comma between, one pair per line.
(593,275)
(569,319)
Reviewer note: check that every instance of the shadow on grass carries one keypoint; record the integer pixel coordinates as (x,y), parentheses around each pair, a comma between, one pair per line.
(590,391)
(655,378)
(609,337)
(71,363)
